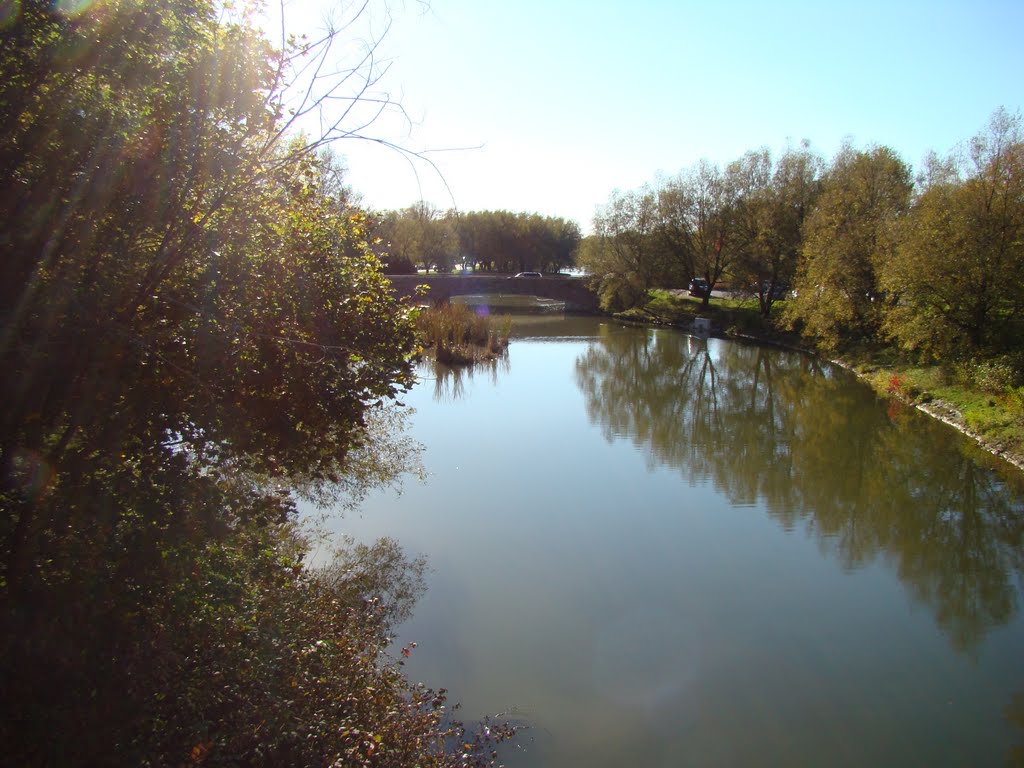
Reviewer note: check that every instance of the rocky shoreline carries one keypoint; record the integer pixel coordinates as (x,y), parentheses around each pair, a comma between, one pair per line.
(948,414)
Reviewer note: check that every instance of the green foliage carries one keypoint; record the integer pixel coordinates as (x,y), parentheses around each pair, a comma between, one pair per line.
(193,328)
(624,257)
(772,202)
(958,273)
(491,241)
(744,222)
(847,237)
(994,375)
(501,241)
(418,235)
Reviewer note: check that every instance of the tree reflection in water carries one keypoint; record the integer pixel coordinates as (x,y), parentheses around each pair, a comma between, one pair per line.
(783,430)
(450,381)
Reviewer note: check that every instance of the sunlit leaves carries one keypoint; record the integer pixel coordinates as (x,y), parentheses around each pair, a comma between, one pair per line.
(958,273)
(847,238)
(193,324)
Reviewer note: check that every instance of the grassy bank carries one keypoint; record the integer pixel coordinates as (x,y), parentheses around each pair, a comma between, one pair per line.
(732,317)
(982,399)
(454,334)
(975,398)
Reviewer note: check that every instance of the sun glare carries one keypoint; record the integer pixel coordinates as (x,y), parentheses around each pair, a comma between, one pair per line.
(72,8)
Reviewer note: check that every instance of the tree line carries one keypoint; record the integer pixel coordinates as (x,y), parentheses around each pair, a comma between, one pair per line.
(422,236)
(194,330)
(862,249)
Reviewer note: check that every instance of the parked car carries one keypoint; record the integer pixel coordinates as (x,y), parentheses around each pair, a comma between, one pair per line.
(699,287)
(527,274)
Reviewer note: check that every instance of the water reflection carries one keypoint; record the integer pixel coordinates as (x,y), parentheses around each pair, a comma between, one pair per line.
(450,381)
(783,430)
(1015,716)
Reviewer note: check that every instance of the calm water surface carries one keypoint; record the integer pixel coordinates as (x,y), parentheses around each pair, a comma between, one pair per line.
(661,551)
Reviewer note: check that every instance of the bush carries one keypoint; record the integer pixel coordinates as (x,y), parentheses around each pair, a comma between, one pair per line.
(995,375)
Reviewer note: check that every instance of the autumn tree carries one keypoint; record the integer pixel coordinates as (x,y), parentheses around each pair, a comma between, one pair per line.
(957,276)
(622,257)
(847,239)
(774,200)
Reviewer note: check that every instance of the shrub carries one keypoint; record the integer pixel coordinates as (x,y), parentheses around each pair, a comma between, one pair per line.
(995,375)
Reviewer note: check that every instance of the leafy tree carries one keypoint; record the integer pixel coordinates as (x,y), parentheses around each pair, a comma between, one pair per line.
(847,238)
(694,231)
(958,273)
(712,220)
(769,219)
(503,241)
(420,234)
(192,325)
(675,233)
(622,257)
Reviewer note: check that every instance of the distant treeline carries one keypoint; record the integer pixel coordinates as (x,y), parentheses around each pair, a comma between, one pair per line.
(863,250)
(421,236)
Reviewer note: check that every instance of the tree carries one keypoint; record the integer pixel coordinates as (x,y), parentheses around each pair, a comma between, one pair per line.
(770,212)
(503,241)
(695,225)
(420,234)
(622,257)
(192,325)
(675,232)
(847,238)
(957,277)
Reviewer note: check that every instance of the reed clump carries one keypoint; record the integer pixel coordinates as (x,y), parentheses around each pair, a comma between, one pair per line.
(454,334)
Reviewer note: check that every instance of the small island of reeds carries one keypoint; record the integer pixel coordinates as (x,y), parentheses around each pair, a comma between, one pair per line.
(454,334)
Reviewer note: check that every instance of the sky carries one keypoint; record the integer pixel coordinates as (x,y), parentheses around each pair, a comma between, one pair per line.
(548,106)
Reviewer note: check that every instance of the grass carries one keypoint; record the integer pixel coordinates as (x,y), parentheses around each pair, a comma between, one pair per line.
(454,334)
(995,414)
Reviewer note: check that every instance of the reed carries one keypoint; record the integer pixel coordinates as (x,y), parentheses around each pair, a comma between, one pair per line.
(456,335)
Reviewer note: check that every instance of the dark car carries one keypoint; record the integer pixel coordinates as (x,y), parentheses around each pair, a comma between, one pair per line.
(527,274)
(699,287)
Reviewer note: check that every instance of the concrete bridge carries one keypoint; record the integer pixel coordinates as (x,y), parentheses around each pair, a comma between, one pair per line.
(572,290)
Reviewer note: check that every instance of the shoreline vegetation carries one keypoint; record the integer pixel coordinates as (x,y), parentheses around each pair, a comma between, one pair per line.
(977,398)
(198,334)
(453,334)
(197,337)
(914,279)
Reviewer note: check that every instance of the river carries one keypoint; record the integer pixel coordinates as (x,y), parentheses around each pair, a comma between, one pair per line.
(658,550)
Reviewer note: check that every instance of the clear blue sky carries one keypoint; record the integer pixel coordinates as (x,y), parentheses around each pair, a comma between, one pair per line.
(567,100)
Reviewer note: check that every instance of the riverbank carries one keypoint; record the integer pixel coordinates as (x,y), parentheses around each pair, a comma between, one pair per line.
(992,416)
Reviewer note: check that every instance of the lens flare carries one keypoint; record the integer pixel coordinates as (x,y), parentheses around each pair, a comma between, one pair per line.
(71,8)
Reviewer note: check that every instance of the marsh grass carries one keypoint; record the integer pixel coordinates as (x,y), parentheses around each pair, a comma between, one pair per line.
(456,335)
